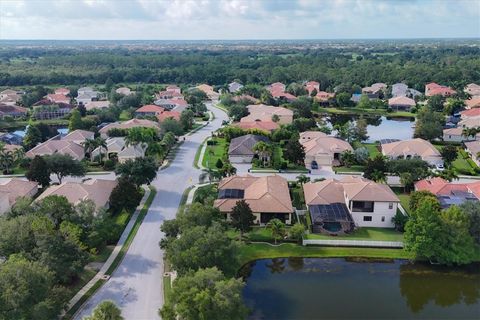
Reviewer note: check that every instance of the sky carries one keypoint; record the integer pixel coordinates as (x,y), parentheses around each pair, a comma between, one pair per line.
(238,19)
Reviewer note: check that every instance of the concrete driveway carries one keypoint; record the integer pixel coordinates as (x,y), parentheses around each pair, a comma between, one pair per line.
(137,285)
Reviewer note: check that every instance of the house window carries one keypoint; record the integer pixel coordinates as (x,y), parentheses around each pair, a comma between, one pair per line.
(362,206)
(367,218)
(383,219)
(390,205)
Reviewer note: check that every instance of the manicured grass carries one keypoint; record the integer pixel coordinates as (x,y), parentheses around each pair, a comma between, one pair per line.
(353,168)
(133,232)
(197,155)
(258,234)
(277,157)
(124,116)
(256,251)
(298,198)
(372,149)
(215,152)
(358,111)
(167,288)
(404,198)
(374,234)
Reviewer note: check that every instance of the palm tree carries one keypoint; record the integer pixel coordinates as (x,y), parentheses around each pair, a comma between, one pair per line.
(6,160)
(470,132)
(264,151)
(101,144)
(302,179)
(277,228)
(89,145)
(18,154)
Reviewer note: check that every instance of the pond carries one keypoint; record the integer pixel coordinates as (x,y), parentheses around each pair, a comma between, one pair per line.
(309,288)
(22,131)
(379,127)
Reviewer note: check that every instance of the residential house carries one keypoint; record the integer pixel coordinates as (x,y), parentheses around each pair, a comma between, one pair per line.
(473,103)
(168,114)
(86,94)
(277,86)
(456,135)
(124,91)
(473,149)
(312,85)
(71,144)
(268,126)
(241,148)
(449,193)
(45,109)
(337,205)
(62,91)
(57,98)
(97,105)
(234,87)
(12,111)
(169,94)
(470,113)
(401,103)
(413,148)
(469,122)
(9,97)
(174,88)
(149,110)
(211,94)
(402,90)
(432,89)
(172,104)
(117,148)
(321,149)
(277,94)
(267,196)
(10,147)
(12,189)
(324,97)
(97,190)
(375,90)
(125,125)
(472,89)
(261,112)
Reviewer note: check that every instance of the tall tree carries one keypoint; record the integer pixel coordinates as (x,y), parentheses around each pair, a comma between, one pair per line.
(39,171)
(277,228)
(75,121)
(242,217)
(105,310)
(449,154)
(294,152)
(63,165)
(264,151)
(139,171)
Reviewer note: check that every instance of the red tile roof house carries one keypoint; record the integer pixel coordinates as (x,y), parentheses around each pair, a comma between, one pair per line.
(401,103)
(261,112)
(323,96)
(450,193)
(268,197)
(13,111)
(172,104)
(149,110)
(63,91)
(58,98)
(267,126)
(312,85)
(277,86)
(473,149)
(168,94)
(432,89)
(473,103)
(280,94)
(168,114)
(71,144)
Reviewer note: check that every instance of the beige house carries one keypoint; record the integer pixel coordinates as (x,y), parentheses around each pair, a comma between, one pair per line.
(473,149)
(70,144)
(401,103)
(472,89)
(469,122)
(211,94)
(351,199)
(97,105)
(261,112)
(267,196)
(133,123)
(116,147)
(12,189)
(124,90)
(413,148)
(473,103)
(321,149)
(97,190)
(456,135)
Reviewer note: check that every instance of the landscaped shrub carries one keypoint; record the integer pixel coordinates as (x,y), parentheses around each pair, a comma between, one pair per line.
(108,165)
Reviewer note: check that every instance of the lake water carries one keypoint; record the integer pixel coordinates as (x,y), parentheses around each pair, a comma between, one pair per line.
(379,127)
(22,131)
(308,288)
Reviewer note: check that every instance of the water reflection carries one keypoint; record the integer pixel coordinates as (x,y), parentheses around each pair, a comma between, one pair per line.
(304,288)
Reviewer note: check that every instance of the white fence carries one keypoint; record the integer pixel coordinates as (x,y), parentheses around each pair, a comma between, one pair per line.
(353,243)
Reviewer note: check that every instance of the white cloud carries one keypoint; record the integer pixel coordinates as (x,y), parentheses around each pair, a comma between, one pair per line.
(237,19)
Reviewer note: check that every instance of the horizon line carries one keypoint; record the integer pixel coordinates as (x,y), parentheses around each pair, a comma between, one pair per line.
(253,39)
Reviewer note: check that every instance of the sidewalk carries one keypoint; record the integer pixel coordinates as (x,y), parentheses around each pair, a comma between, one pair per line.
(102,274)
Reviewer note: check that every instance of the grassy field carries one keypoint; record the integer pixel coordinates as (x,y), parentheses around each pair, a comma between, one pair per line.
(378,234)
(353,168)
(256,251)
(298,198)
(214,152)
(372,149)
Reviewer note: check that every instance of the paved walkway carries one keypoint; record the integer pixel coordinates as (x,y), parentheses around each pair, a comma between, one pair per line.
(137,284)
(114,254)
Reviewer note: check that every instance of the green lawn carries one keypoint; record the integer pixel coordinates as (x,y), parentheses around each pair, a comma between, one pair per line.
(372,149)
(125,115)
(215,152)
(258,234)
(353,168)
(404,198)
(378,234)
(277,157)
(167,288)
(463,164)
(298,198)
(256,251)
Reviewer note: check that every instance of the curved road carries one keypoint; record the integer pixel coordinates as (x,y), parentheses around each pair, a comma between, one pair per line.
(136,286)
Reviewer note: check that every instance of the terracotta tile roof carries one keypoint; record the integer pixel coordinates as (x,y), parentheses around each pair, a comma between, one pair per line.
(470,122)
(473,89)
(473,146)
(15,188)
(324,96)
(150,108)
(130,124)
(97,190)
(473,103)
(416,146)
(9,109)
(58,146)
(168,114)
(279,93)
(354,187)
(316,142)
(263,112)
(260,125)
(62,91)
(401,101)
(97,105)
(79,136)
(439,187)
(267,194)
(58,98)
